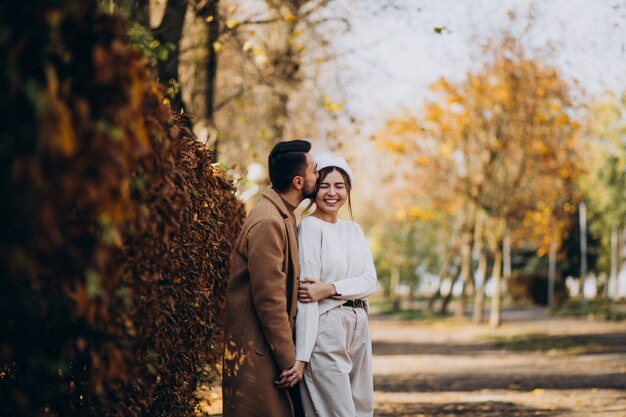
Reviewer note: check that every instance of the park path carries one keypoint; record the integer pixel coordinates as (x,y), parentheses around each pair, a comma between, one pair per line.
(534,365)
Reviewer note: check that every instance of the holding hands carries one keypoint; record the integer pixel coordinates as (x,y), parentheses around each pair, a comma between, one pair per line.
(309,291)
(290,377)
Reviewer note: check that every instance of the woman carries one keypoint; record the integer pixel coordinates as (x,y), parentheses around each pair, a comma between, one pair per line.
(332,334)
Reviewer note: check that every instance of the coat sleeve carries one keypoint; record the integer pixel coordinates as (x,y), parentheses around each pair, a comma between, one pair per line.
(307,320)
(266,252)
(363,284)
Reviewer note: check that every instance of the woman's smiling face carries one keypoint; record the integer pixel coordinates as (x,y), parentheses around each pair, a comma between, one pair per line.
(332,194)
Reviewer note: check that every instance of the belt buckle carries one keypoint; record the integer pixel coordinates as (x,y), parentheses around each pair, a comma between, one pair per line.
(359,303)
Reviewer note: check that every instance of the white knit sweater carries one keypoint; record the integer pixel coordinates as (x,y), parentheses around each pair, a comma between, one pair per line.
(331,252)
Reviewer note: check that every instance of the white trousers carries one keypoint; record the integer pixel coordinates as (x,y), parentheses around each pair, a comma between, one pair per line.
(338,379)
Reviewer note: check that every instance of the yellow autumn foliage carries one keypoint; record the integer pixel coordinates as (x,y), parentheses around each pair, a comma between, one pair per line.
(502,140)
(332,106)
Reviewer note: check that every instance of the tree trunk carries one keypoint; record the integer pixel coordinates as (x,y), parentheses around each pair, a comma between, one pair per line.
(613,278)
(435,297)
(393,284)
(583,252)
(444,268)
(413,290)
(448,297)
(466,260)
(480,277)
(387,290)
(170,32)
(481,280)
(506,248)
(285,58)
(140,12)
(620,248)
(494,314)
(279,116)
(551,272)
(210,13)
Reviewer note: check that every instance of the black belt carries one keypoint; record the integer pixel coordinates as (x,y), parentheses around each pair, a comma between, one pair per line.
(355,303)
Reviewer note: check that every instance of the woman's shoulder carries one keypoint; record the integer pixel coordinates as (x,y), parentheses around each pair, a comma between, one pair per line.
(310,223)
(351,225)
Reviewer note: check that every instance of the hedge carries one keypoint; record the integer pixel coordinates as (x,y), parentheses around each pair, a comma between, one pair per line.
(116,226)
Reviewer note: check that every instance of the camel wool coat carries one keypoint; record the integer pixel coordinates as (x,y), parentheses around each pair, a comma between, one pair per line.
(260,311)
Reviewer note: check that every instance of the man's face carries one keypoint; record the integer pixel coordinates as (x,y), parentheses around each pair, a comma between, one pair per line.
(310,177)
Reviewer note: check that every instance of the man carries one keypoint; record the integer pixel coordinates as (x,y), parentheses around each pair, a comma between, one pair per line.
(261,298)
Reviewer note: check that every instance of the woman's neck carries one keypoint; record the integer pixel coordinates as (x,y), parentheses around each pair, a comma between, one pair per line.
(327,217)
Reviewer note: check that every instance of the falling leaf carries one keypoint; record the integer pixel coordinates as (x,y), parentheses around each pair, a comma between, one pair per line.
(232,23)
(217,46)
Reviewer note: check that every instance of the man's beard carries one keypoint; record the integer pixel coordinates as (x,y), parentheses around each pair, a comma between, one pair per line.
(309,192)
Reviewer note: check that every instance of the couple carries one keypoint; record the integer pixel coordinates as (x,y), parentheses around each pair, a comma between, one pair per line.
(323,271)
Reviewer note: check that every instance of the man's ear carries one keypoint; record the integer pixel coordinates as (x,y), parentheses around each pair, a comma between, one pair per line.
(297,182)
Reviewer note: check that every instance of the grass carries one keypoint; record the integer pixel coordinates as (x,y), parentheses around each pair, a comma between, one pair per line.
(541,342)
(599,309)
(386,309)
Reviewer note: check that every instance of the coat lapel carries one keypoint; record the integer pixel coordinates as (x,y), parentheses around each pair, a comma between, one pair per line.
(292,242)
(295,267)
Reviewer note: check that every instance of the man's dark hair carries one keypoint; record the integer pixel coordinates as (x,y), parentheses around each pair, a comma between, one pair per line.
(286,161)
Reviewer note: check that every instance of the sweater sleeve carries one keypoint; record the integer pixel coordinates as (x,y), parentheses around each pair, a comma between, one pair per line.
(363,284)
(307,319)
(266,242)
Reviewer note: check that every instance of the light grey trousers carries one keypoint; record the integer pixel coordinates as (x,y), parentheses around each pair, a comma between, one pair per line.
(338,379)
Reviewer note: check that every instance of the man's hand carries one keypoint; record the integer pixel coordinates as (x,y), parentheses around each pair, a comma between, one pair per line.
(290,377)
(311,290)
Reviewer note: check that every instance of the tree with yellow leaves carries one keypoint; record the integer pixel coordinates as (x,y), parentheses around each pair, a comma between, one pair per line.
(495,142)
(417,186)
(271,52)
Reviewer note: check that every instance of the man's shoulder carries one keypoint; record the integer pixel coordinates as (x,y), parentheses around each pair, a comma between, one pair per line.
(264,215)
(265,210)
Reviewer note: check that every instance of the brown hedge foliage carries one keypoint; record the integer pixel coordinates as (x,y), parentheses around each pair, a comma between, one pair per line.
(116,227)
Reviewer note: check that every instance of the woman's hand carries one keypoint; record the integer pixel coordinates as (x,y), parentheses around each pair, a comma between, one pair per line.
(290,377)
(311,290)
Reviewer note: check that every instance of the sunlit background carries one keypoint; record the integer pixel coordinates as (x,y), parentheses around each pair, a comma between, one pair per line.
(495,120)
(488,142)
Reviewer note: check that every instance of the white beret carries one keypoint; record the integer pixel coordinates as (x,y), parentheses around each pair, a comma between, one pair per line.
(330,160)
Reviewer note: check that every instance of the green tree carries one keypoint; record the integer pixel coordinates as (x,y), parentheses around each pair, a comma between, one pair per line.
(605,185)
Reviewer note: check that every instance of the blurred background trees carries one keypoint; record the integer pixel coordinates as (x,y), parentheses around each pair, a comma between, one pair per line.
(245,74)
(500,162)
(605,184)
(473,198)
(506,148)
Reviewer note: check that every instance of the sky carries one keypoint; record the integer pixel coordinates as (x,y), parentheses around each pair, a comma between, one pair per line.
(392,52)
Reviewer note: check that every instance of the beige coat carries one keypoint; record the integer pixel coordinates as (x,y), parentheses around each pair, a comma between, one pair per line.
(260,311)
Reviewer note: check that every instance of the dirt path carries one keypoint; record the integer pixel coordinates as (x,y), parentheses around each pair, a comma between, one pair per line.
(533,365)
